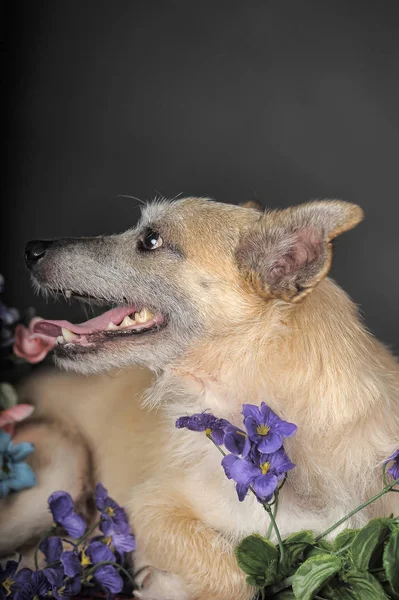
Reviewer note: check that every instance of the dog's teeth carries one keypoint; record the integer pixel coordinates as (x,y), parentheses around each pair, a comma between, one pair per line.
(68,335)
(59,340)
(111,325)
(127,321)
(68,293)
(143,316)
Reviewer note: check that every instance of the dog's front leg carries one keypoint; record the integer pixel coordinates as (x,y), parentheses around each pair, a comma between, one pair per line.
(179,557)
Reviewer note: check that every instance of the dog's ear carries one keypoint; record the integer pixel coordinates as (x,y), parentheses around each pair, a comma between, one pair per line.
(252,204)
(286,253)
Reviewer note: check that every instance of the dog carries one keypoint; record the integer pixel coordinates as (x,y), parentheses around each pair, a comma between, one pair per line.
(216,305)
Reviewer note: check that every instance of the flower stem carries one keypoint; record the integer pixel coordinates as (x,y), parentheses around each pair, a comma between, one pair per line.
(275,508)
(385,490)
(88,532)
(276,529)
(209,436)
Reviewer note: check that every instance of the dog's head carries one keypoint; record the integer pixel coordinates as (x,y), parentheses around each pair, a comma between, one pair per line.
(191,270)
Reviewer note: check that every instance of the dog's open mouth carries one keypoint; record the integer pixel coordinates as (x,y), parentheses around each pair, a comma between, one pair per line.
(115,323)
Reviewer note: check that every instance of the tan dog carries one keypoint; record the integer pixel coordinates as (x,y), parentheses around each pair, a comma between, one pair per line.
(225,305)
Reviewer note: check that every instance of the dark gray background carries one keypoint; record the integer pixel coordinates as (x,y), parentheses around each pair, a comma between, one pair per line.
(280,101)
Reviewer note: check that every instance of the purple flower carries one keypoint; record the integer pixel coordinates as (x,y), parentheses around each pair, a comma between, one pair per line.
(51,548)
(205,422)
(106,575)
(99,552)
(109,579)
(394,468)
(31,584)
(71,563)
(63,511)
(62,587)
(263,473)
(114,524)
(7,580)
(265,428)
(236,441)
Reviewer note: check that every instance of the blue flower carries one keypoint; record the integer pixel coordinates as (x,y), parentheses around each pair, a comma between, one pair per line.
(205,422)
(7,580)
(114,524)
(31,585)
(393,470)
(263,472)
(106,575)
(265,428)
(15,475)
(63,511)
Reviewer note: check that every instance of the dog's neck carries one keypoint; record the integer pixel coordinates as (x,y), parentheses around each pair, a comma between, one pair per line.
(311,362)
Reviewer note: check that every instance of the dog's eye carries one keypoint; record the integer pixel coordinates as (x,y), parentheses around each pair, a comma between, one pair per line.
(151,240)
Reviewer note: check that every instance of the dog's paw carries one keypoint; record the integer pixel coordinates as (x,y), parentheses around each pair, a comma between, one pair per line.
(155,584)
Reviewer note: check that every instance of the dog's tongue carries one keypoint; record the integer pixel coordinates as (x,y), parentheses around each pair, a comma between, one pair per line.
(53,328)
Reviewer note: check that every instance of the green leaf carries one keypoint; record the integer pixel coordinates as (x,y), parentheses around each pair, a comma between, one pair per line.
(367,541)
(365,586)
(294,547)
(321,547)
(285,595)
(337,590)
(390,560)
(344,539)
(257,557)
(313,574)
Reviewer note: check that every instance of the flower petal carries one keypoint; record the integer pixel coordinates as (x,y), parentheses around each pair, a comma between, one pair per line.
(99,552)
(74,524)
(264,486)
(227,463)
(236,441)
(71,563)
(243,471)
(251,410)
(242,491)
(270,442)
(285,428)
(109,578)
(51,548)
(251,425)
(22,477)
(21,451)
(60,504)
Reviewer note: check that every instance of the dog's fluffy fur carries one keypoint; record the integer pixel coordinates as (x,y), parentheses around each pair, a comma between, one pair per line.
(252,317)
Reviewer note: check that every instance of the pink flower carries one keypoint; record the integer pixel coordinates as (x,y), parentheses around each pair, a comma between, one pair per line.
(33,347)
(10,416)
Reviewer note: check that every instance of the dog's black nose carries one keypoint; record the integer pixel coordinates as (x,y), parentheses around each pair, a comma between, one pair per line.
(34,251)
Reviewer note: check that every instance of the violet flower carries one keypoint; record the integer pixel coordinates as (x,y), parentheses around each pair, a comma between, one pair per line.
(106,575)
(7,580)
(265,428)
(51,548)
(63,510)
(263,473)
(236,441)
(31,584)
(62,587)
(114,524)
(205,422)
(393,470)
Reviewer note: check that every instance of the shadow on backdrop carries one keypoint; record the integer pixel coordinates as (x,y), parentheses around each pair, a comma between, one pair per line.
(282,102)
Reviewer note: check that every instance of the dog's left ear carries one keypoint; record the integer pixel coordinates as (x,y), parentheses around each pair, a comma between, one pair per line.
(286,253)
